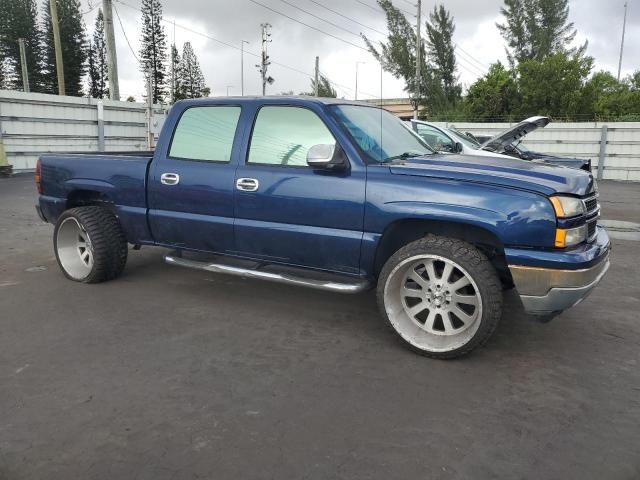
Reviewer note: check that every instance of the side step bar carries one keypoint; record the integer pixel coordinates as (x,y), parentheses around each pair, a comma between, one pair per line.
(175,258)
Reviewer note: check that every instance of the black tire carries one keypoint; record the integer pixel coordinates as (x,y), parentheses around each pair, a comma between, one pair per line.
(107,242)
(478,267)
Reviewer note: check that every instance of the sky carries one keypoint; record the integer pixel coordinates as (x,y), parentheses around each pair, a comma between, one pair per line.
(216,29)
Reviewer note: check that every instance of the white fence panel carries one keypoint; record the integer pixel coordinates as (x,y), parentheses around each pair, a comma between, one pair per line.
(33,123)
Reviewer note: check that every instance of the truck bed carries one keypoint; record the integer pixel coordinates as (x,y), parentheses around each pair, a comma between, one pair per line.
(117,178)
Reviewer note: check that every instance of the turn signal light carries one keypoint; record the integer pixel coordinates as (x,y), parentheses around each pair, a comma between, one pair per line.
(570,237)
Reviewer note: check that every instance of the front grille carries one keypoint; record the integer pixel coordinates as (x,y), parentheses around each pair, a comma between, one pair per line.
(592,208)
(590,204)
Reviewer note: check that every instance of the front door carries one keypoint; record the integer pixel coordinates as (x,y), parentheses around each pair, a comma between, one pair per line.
(288,212)
(191,185)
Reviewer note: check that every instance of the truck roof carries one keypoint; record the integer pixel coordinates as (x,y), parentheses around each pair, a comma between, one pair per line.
(296,99)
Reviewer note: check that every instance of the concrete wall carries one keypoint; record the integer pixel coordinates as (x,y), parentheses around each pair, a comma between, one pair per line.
(33,123)
(582,140)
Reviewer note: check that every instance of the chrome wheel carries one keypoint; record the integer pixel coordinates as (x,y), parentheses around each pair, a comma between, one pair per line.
(433,303)
(74,249)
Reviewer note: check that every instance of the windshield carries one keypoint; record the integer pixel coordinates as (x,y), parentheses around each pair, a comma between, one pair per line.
(468,141)
(379,134)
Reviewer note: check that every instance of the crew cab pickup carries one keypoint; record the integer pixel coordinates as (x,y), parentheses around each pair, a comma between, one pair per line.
(339,196)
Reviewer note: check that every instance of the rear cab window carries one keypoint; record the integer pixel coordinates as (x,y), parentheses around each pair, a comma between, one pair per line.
(205,133)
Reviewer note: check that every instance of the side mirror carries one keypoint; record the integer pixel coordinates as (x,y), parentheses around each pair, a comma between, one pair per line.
(458,148)
(326,157)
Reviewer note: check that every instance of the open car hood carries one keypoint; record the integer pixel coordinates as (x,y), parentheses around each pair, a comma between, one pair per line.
(517,132)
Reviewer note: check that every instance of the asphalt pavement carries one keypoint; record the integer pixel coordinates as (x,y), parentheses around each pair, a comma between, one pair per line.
(169,373)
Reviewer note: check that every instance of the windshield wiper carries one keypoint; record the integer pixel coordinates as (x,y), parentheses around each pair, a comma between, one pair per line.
(403,156)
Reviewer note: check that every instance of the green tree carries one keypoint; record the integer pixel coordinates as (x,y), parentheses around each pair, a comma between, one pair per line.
(398,54)
(153,49)
(441,52)
(175,81)
(98,76)
(568,75)
(74,48)
(18,19)
(493,97)
(325,89)
(607,98)
(535,29)
(190,80)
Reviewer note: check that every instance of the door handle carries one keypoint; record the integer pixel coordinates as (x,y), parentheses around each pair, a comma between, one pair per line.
(170,178)
(247,184)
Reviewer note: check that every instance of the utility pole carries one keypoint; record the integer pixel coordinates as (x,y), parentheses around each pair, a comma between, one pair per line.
(242,42)
(112,59)
(418,61)
(316,87)
(624,28)
(265,58)
(23,66)
(57,46)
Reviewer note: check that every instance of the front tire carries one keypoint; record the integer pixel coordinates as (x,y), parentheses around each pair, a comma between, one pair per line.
(90,245)
(441,296)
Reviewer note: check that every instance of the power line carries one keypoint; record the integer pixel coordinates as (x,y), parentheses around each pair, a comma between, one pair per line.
(471,57)
(309,26)
(125,33)
(378,9)
(320,18)
(348,18)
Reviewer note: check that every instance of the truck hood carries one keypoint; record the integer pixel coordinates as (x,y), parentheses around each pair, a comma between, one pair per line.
(507,172)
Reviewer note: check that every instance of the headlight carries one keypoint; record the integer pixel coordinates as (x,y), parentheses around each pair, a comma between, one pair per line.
(566,207)
(571,236)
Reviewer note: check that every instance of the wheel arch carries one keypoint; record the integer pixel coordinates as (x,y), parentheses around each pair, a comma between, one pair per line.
(404,231)
(84,197)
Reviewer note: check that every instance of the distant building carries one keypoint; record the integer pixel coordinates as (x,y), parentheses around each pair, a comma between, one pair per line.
(400,107)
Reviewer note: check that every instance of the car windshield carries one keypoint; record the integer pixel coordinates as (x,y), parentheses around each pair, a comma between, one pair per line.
(379,134)
(461,137)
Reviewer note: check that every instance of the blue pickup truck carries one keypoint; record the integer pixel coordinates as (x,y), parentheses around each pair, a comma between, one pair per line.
(339,196)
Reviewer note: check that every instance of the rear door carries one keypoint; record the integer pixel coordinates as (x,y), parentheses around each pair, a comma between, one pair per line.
(190,191)
(288,212)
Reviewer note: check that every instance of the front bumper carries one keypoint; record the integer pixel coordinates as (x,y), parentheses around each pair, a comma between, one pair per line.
(548,291)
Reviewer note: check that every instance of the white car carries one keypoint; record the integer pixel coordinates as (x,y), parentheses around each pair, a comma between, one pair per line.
(506,144)
(449,140)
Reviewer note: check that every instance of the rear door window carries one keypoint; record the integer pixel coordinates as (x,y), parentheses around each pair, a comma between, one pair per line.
(205,133)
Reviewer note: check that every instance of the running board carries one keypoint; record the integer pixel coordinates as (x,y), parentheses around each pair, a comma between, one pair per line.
(289,278)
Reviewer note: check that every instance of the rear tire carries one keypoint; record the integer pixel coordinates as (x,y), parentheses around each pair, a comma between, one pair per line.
(90,245)
(442,296)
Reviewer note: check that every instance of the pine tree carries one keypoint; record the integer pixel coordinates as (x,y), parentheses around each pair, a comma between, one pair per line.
(18,19)
(535,29)
(441,52)
(98,60)
(190,78)
(175,80)
(325,89)
(74,48)
(153,49)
